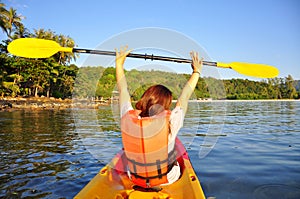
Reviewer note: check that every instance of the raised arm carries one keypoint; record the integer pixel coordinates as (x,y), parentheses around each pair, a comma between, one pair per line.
(191,83)
(124,97)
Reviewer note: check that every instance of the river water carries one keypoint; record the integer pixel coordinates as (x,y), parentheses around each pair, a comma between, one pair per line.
(238,149)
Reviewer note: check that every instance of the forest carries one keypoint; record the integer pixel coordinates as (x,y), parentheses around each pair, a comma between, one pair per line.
(57,77)
(101,82)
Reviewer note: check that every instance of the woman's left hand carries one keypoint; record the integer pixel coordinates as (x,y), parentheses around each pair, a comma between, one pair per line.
(197,63)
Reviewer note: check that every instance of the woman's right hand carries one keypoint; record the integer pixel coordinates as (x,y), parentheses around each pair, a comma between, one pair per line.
(196,62)
(121,55)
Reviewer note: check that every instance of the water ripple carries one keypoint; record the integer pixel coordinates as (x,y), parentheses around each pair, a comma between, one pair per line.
(252,149)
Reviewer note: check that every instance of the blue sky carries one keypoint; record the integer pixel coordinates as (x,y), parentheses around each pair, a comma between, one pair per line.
(255,31)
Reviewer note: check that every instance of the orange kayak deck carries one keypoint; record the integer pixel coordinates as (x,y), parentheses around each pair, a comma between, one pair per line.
(113,183)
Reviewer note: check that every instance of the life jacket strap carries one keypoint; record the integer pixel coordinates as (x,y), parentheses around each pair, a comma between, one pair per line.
(171,162)
(149,177)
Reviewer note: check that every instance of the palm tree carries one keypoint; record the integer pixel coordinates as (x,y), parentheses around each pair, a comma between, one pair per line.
(10,21)
(13,22)
(44,34)
(66,41)
(21,32)
(3,14)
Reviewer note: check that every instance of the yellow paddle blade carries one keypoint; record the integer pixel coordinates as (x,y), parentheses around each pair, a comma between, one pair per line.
(249,69)
(35,48)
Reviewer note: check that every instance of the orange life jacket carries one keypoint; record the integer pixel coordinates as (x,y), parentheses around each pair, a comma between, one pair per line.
(145,142)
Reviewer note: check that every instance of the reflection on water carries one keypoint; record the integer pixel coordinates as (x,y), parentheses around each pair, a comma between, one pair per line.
(40,155)
(258,157)
(238,149)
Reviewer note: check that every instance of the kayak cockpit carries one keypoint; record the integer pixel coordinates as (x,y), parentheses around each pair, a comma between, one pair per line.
(113,182)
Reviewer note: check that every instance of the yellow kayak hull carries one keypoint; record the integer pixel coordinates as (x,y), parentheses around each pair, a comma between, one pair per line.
(113,183)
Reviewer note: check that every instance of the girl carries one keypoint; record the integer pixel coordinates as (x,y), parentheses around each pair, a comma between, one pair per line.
(149,132)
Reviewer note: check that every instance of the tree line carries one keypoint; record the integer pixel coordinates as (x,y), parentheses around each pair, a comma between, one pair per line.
(56,77)
(101,82)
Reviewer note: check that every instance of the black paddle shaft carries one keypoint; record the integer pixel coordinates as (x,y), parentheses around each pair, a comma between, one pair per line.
(142,56)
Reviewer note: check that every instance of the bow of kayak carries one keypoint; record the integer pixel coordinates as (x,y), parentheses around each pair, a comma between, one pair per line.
(112,182)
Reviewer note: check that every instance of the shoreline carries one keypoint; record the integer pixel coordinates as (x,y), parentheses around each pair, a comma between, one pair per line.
(44,103)
(251,100)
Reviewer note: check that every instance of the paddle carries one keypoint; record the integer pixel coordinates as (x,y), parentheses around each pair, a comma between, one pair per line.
(41,48)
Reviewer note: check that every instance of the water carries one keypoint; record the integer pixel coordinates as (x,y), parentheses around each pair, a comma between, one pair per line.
(238,149)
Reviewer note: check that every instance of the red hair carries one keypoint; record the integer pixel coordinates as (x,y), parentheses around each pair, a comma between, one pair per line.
(155,99)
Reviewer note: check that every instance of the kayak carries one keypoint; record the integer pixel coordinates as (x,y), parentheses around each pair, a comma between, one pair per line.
(112,181)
